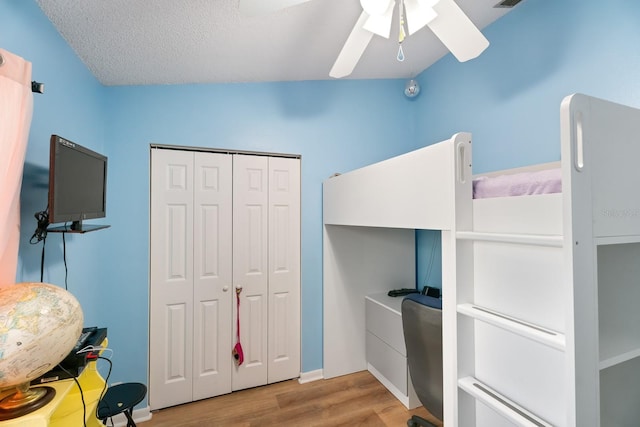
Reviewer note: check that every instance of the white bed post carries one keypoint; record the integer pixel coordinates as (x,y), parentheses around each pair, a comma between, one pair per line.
(370,216)
(582,401)
(600,149)
(457,283)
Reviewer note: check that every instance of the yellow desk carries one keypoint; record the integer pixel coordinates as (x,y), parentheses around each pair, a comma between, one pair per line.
(65,409)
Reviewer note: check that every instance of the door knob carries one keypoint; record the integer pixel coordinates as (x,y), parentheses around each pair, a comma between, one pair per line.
(225,288)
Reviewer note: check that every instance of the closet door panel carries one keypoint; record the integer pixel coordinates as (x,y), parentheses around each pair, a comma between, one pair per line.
(171,279)
(250,268)
(284,269)
(253,338)
(213,291)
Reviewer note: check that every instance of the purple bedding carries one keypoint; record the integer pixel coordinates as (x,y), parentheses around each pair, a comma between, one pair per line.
(520,184)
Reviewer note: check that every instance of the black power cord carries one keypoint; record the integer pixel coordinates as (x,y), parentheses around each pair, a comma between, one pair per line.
(41,231)
(41,235)
(64,258)
(84,405)
(104,389)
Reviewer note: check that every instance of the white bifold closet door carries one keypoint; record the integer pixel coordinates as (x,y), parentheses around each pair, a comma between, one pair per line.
(283,350)
(266,260)
(218,222)
(250,269)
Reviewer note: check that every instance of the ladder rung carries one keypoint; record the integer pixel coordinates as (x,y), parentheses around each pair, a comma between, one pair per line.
(501,404)
(525,329)
(523,239)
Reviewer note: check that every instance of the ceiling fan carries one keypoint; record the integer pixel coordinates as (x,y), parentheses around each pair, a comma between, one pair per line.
(443,17)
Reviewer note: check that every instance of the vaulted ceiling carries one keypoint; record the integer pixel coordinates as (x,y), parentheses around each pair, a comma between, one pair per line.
(141,42)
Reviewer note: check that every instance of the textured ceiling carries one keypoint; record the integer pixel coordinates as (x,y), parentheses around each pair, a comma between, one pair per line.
(142,42)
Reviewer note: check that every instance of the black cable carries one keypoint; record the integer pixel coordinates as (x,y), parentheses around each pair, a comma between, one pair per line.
(435,240)
(104,389)
(64,258)
(41,235)
(84,405)
(44,242)
(102,393)
(41,230)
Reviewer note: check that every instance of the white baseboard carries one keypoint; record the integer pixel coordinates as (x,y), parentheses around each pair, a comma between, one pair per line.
(139,415)
(307,377)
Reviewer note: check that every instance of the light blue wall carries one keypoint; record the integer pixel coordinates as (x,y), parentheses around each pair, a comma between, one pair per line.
(542,51)
(329,123)
(335,125)
(509,98)
(73,105)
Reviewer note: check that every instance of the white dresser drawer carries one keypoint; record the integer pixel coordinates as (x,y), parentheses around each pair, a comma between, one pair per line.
(384,320)
(385,349)
(391,364)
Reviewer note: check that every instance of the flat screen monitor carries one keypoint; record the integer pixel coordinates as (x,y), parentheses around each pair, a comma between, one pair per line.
(77,183)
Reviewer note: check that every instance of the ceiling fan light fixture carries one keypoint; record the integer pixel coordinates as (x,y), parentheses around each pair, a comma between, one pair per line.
(411,88)
(443,17)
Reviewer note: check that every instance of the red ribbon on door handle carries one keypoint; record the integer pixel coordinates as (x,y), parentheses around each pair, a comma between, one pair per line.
(238,355)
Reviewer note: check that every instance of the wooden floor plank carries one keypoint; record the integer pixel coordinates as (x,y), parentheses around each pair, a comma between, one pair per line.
(351,400)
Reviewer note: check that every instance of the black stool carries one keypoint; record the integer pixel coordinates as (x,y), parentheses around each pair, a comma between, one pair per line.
(121,398)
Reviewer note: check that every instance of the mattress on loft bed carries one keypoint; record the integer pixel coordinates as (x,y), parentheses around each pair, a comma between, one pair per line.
(545,181)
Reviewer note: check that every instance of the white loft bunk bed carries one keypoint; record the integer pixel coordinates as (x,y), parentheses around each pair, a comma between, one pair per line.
(541,324)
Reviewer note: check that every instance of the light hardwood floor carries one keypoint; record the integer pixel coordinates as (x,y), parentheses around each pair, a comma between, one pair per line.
(350,400)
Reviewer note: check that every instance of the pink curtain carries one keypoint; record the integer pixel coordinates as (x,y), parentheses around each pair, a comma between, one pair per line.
(16,110)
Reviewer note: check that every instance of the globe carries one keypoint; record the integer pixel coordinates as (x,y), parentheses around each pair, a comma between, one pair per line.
(39,325)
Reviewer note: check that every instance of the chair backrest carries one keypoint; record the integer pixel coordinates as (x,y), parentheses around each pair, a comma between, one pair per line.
(422,327)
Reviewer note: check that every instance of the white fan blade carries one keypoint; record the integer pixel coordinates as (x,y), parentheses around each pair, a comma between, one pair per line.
(374,7)
(428,3)
(263,7)
(418,14)
(353,49)
(456,31)
(381,24)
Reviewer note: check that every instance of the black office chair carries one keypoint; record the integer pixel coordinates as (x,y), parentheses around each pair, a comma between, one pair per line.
(422,326)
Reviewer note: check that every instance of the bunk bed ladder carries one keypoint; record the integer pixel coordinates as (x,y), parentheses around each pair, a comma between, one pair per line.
(487,320)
